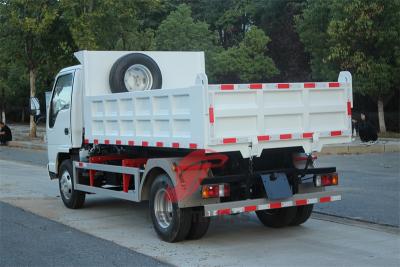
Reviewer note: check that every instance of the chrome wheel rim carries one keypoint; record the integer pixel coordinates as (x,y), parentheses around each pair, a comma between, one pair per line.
(138,78)
(163,208)
(66,185)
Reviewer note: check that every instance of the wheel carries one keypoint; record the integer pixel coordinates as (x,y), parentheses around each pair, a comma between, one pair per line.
(135,72)
(302,214)
(199,225)
(277,218)
(171,223)
(72,198)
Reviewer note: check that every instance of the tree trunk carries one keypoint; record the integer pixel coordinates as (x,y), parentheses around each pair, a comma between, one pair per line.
(32,83)
(3,106)
(381,116)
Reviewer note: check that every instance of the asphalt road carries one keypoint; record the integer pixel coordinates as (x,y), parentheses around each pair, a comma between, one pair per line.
(239,240)
(30,240)
(370,183)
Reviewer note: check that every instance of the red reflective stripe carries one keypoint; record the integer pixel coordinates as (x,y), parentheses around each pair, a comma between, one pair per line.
(275,205)
(336,133)
(300,202)
(227,87)
(145,143)
(307,135)
(349,108)
(250,208)
(309,85)
(193,146)
(118,142)
(175,145)
(336,84)
(131,143)
(255,86)
(283,85)
(325,199)
(229,140)
(224,212)
(107,142)
(211,114)
(95,141)
(160,144)
(285,136)
(263,138)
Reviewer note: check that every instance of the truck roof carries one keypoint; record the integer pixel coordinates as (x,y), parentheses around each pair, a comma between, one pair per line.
(71,68)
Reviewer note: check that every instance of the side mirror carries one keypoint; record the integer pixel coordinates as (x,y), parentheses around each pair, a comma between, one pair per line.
(35,106)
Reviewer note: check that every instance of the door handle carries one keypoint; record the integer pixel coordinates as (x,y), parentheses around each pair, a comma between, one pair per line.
(66,131)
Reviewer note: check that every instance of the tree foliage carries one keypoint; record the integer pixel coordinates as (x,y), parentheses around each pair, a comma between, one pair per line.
(362,36)
(246,62)
(243,40)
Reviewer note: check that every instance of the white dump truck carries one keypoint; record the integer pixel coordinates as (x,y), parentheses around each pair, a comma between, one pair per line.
(147,126)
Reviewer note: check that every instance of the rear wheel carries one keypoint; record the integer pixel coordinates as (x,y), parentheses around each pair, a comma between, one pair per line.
(277,218)
(171,223)
(302,215)
(72,198)
(199,225)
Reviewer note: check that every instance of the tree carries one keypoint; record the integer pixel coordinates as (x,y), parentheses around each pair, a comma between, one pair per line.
(179,32)
(246,62)
(362,36)
(276,18)
(110,25)
(26,24)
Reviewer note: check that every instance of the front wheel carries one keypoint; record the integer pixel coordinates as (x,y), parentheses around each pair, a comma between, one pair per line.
(277,218)
(171,223)
(72,198)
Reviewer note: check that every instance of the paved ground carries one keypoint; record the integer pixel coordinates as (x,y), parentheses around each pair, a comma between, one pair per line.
(231,241)
(29,240)
(370,183)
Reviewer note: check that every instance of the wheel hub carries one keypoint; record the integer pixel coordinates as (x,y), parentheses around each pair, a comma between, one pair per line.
(66,185)
(163,208)
(138,78)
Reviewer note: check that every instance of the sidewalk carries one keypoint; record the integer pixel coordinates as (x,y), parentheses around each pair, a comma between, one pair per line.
(21,140)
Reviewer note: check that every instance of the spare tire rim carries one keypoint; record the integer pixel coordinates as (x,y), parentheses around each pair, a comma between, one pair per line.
(66,185)
(163,209)
(138,78)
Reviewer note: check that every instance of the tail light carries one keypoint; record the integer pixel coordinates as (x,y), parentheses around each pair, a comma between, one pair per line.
(215,190)
(326,179)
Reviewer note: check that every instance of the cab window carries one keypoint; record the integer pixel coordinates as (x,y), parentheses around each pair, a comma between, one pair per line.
(61,97)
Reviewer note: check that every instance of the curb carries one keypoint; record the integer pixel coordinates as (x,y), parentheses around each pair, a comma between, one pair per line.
(27,145)
(360,149)
(327,150)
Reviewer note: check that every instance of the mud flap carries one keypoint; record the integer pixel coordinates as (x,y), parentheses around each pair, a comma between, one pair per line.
(276,186)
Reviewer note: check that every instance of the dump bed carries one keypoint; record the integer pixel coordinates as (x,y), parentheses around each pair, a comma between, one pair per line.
(227,117)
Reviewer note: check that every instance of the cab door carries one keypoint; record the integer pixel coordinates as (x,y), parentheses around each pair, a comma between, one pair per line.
(59,118)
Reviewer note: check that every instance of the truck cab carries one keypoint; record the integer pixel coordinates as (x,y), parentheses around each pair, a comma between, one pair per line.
(64,124)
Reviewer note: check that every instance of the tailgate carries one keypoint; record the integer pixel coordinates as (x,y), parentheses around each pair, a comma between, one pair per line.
(279,115)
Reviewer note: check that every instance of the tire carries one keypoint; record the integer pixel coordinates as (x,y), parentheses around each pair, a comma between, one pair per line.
(147,66)
(277,218)
(302,215)
(171,223)
(199,225)
(72,199)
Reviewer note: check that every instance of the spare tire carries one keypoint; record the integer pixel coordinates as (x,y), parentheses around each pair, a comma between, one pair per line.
(135,72)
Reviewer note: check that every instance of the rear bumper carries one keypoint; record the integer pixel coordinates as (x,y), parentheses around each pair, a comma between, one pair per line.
(264,204)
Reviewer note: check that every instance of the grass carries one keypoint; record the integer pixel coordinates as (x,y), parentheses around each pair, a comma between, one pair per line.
(389,135)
